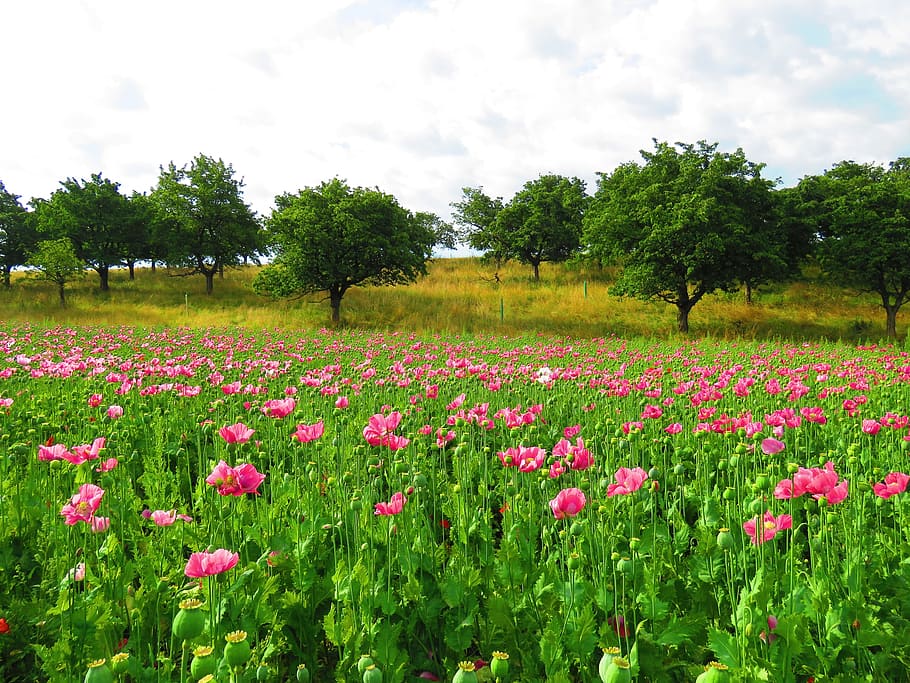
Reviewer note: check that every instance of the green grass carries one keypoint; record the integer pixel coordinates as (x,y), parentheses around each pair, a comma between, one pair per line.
(457,296)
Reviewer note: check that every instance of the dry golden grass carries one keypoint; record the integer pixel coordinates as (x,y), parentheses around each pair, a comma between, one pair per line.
(458,296)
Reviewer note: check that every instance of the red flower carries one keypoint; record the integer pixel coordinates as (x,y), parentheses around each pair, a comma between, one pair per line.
(4,627)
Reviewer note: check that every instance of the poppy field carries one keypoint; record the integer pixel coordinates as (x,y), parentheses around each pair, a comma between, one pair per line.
(224,505)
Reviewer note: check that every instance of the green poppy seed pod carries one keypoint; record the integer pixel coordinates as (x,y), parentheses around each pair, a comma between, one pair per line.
(120,663)
(264,672)
(725,539)
(762,482)
(372,675)
(189,622)
(617,671)
(362,664)
(729,494)
(99,672)
(577,529)
(500,666)
(465,673)
(757,506)
(203,662)
(237,649)
(679,469)
(606,659)
(625,566)
(715,672)
(303,674)
(575,561)
(734,460)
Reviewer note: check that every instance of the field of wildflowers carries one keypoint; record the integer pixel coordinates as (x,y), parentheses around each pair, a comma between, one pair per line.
(220,505)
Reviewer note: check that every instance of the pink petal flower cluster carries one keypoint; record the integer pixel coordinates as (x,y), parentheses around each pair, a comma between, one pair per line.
(235,481)
(818,482)
(165,517)
(443,437)
(380,431)
(627,481)
(208,564)
(393,507)
(306,433)
(76,456)
(771,446)
(525,458)
(236,433)
(279,407)
(83,506)
(766,528)
(574,456)
(894,484)
(568,503)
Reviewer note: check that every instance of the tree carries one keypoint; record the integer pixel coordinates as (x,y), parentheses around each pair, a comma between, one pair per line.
(862,216)
(206,222)
(95,217)
(56,261)
(17,233)
(542,222)
(333,237)
(680,223)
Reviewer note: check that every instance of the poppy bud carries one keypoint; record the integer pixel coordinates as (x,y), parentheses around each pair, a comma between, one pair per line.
(203,662)
(465,673)
(99,672)
(363,663)
(725,539)
(372,675)
(303,674)
(500,666)
(237,651)
(715,672)
(189,621)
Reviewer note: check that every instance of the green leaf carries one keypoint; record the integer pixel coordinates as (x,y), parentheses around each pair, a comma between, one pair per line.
(724,647)
(680,631)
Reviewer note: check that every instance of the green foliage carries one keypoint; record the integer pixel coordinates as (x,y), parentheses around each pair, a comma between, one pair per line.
(542,222)
(56,261)
(17,233)
(96,218)
(689,221)
(332,237)
(203,219)
(862,215)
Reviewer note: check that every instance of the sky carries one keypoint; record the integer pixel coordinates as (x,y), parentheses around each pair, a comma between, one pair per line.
(421,98)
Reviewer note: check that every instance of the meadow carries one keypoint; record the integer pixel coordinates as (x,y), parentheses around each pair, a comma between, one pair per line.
(220,495)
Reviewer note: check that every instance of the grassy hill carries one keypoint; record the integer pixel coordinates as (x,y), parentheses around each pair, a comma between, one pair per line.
(458,296)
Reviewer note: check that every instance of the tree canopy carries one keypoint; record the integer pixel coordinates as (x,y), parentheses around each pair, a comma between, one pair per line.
(56,261)
(861,213)
(333,237)
(688,221)
(542,222)
(17,233)
(206,224)
(97,220)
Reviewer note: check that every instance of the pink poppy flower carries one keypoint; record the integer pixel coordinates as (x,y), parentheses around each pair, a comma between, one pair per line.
(83,505)
(443,437)
(56,452)
(627,481)
(100,524)
(85,452)
(342,402)
(208,564)
(95,400)
(871,427)
(894,484)
(107,465)
(307,433)
(771,446)
(163,517)
(766,528)
(651,412)
(618,623)
(769,637)
(557,469)
(568,503)
(115,412)
(393,507)
(673,428)
(236,433)
(379,431)
(235,481)
(77,573)
(279,407)
(570,432)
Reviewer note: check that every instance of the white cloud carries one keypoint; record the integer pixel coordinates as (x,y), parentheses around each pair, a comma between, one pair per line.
(423,98)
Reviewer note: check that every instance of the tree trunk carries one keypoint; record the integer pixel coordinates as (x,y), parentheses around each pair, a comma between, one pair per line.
(209,281)
(60,286)
(749,293)
(891,322)
(335,303)
(7,270)
(682,318)
(154,266)
(536,272)
(132,266)
(103,272)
